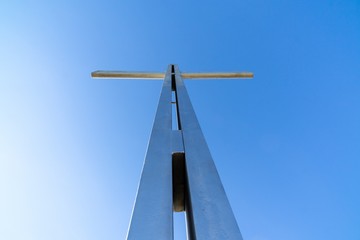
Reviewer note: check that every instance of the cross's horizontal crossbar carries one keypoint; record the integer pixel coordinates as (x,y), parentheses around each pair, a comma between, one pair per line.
(218,75)
(127,75)
(151,75)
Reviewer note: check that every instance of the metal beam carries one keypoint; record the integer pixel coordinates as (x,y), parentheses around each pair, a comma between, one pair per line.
(127,75)
(160,76)
(217,75)
(152,216)
(209,215)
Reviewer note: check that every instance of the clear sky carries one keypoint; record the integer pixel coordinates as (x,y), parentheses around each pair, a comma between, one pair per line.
(286,144)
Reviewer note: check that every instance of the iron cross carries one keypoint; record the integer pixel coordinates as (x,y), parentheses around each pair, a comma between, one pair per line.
(179,173)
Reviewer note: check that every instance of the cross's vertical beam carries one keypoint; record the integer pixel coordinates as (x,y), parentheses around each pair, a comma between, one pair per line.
(209,215)
(152,216)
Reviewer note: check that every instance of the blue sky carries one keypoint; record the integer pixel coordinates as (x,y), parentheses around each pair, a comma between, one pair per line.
(286,144)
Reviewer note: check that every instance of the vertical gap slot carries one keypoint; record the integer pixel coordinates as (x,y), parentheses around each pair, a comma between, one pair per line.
(174,116)
(172,77)
(175,99)
(184,227)
(178,181)
(179,226)
(175,124)
(177,112)
(179,185)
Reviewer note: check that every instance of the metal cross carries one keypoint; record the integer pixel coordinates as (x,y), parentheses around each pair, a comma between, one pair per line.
(179,173)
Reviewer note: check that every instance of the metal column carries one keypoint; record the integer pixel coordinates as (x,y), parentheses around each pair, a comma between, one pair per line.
(209,215)
(179,173)
(152,216)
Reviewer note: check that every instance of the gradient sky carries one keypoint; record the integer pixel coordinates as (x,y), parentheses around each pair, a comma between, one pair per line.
(286,144)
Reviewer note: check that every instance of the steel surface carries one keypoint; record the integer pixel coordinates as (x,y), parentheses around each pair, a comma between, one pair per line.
(152,216)
(209,215)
